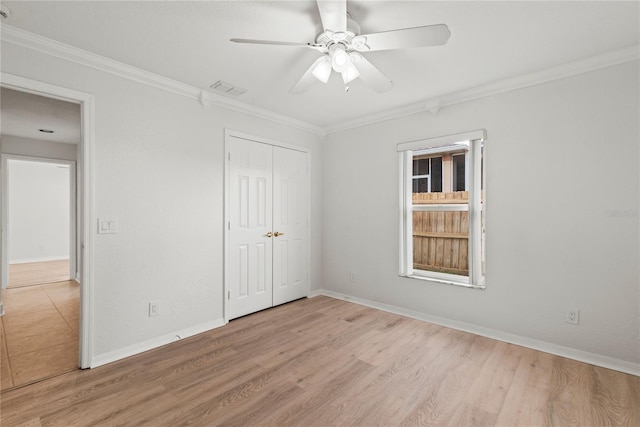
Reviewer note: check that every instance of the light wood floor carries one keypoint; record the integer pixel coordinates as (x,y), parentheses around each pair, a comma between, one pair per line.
(37,273)
(39,332)
(323,362)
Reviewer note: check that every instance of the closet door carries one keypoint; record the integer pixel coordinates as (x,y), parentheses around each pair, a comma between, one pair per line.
(290,225)
(267,226)
(249,264)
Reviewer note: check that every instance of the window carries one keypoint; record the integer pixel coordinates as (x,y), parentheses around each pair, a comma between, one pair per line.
(427,174)
(442,209)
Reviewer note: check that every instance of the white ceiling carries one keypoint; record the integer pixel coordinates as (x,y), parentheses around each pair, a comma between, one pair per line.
(24,114)
(189,42)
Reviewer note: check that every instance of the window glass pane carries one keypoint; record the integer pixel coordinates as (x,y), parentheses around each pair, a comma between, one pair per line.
(458,172)
(420,185)
(420,167)
(436,174)
(441,242)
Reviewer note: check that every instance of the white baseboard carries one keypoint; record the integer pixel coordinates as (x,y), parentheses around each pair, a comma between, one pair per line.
(141,347)
(43,259)
(559,350)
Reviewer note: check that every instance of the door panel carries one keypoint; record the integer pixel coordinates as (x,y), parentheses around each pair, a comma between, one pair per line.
(290,216)
(250,216)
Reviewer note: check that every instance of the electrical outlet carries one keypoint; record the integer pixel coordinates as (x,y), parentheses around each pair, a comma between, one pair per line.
(572,316)
(353,276)
(154,308)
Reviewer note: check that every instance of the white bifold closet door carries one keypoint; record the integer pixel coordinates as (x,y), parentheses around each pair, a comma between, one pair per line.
(267,228)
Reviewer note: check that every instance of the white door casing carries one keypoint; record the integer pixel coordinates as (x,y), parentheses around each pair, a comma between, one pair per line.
(267,226)
(85,213)
(249,225)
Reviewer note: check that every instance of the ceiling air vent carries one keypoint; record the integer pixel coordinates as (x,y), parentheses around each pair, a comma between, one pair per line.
(226,88)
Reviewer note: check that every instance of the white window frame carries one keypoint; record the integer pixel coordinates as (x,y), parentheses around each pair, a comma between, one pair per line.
(473,141)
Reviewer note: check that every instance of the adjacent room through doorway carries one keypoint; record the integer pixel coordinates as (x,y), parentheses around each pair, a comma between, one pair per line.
(39,331)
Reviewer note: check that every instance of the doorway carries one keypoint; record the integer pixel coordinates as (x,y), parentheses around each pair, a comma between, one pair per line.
(41,297)
(62,295)
(267,218)
(40,209)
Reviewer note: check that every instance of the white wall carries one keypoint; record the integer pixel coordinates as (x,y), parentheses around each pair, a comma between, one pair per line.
(39,211)
(559,157)
(159,163)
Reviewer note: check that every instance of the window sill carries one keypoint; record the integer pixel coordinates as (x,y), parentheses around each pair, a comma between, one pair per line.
(446,281)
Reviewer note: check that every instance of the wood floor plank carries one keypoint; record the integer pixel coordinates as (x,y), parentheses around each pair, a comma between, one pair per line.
(109,409)
(453,376)
(341,364)
(529,394)
(215,401)
(578,397)
(381,395)
(252,409)
(315,408)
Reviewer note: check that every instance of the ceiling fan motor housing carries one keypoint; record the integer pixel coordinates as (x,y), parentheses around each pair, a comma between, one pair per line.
(328,37)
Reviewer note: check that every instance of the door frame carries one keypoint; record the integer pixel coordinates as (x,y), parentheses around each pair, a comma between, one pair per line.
(4,207)
(85,216)
(228,134)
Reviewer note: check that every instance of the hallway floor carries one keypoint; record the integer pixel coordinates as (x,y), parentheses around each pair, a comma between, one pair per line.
(39,332)
(38,273)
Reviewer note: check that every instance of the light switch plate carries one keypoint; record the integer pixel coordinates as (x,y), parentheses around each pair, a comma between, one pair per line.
(107,225)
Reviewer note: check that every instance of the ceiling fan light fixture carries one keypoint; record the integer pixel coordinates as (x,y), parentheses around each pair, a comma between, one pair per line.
(341,41)
(350,74)
(322,70)
(339,58)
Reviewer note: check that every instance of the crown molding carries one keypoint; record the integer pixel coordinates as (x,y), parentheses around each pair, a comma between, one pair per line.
(433,105)
(64,51)
(51,47)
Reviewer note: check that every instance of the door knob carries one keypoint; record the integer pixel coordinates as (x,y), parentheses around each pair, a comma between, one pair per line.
(269,234)
(277,233)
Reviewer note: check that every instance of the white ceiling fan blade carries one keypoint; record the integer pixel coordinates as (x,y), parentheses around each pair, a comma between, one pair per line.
(273,42)
(307,78)
(370,75)
(333,14)
(430,35)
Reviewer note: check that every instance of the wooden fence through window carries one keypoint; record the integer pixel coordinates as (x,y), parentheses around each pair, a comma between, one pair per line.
(441,239)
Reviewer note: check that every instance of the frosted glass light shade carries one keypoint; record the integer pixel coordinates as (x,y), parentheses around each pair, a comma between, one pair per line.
(350,73)
(322,70)
(339,58)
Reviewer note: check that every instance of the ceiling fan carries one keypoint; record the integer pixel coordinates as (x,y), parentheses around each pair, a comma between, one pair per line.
(342,45)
